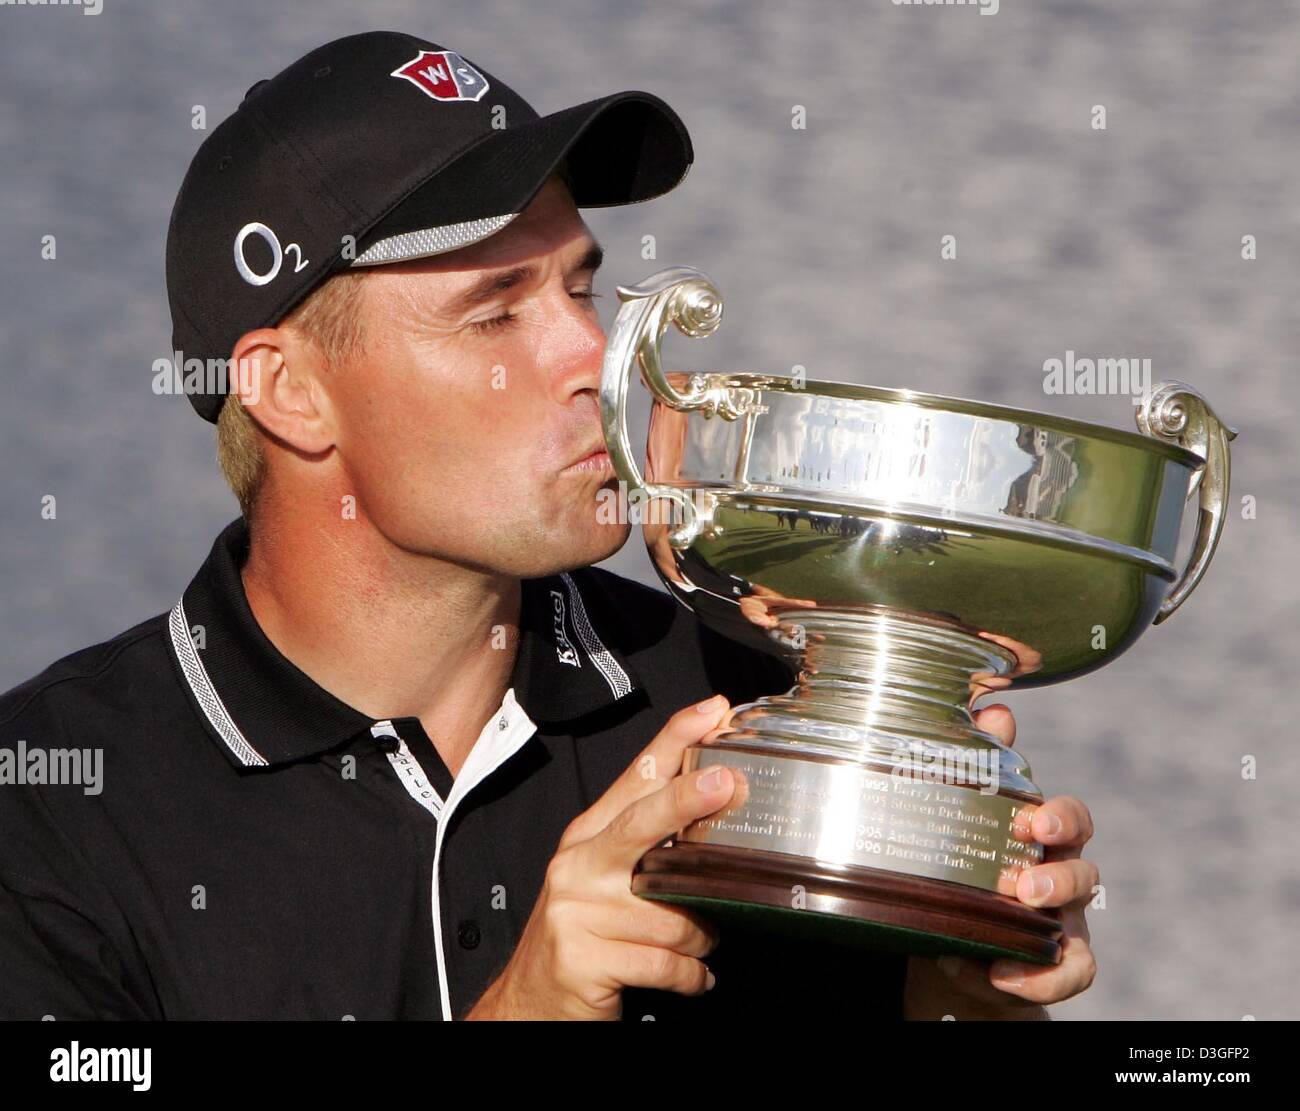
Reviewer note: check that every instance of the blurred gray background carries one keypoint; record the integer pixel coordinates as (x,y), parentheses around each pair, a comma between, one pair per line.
(921,122)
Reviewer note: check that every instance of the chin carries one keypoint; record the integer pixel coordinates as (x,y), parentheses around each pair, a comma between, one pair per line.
(600,543)
(580,547)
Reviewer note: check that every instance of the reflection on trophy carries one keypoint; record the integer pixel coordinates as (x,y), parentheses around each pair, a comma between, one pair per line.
(905,553)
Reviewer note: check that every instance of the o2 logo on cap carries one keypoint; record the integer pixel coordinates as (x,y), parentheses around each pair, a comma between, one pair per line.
(272,240)
(443,75)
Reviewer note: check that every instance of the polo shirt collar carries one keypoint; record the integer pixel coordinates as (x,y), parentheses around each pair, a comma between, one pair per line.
(568,665)
(265,711)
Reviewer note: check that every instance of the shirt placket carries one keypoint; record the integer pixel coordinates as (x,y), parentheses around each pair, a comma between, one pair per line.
(409,772)
(504,735)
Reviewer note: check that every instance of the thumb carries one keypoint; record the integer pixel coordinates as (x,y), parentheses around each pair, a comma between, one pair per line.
(656,766)
(647,821)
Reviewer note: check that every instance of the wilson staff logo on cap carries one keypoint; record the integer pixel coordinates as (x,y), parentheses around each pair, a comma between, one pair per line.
(443,75)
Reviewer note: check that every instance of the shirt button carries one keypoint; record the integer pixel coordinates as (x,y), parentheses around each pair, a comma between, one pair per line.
(468,934)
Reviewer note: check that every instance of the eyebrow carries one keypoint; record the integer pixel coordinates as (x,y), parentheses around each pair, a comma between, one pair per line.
(498,281)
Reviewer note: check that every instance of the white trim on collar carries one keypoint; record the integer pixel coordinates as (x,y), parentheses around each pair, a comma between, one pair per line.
(205,694)
(615,676)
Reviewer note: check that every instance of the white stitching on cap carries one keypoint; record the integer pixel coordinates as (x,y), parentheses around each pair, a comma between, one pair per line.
(605,663)
(204,692)
(431,241)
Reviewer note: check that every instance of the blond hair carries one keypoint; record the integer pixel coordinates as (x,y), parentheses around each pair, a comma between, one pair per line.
(331,316)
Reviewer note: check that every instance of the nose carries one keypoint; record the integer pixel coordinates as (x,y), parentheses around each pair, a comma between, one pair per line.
(575,348)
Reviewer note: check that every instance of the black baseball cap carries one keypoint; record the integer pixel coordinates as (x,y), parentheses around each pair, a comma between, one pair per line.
(374,149)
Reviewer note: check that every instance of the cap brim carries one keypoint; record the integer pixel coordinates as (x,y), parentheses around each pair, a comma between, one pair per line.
(621,149)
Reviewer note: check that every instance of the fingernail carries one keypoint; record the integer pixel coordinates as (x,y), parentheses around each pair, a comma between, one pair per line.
(709,780)
(1008,974)
(1040,885)
(1053,825)
(709,981)
(709,705)
(950,966)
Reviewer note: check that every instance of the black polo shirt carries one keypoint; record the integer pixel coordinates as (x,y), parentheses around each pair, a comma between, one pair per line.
(226,839)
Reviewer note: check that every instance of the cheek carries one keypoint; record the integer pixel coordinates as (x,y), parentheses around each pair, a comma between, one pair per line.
(432,453)
(495,425)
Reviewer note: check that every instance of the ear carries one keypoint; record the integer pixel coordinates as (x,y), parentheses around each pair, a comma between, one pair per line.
(278,378)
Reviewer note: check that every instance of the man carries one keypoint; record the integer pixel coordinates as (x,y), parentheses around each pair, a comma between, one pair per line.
(397,750)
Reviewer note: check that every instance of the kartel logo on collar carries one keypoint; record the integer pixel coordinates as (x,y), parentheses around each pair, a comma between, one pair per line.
(564,649)
(443,75)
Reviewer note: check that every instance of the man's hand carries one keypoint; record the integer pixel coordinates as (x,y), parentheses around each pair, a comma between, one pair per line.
(588,936)
(967,988)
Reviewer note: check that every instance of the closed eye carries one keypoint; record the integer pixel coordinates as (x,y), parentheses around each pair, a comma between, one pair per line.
(495,322)
(507,317)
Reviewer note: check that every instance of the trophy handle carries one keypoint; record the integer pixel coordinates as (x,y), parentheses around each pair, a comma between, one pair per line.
(1177,413)
(685,297)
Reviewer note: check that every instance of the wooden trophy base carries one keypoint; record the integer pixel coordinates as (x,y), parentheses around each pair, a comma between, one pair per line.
(865,907)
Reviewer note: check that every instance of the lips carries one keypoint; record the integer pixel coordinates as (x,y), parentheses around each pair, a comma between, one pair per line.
(595,460)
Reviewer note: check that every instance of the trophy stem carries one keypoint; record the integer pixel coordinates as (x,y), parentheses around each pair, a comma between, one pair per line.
(887,690)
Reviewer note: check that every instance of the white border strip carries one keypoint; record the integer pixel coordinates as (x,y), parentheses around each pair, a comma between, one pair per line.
(204,692)
(431,241)
(605,663)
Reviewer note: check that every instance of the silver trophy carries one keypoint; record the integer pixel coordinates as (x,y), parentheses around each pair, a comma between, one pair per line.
(905,553)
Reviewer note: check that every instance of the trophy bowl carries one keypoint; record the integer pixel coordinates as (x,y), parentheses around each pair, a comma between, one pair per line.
(905,554)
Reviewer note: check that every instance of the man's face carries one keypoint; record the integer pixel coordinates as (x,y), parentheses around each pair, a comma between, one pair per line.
(463,424)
